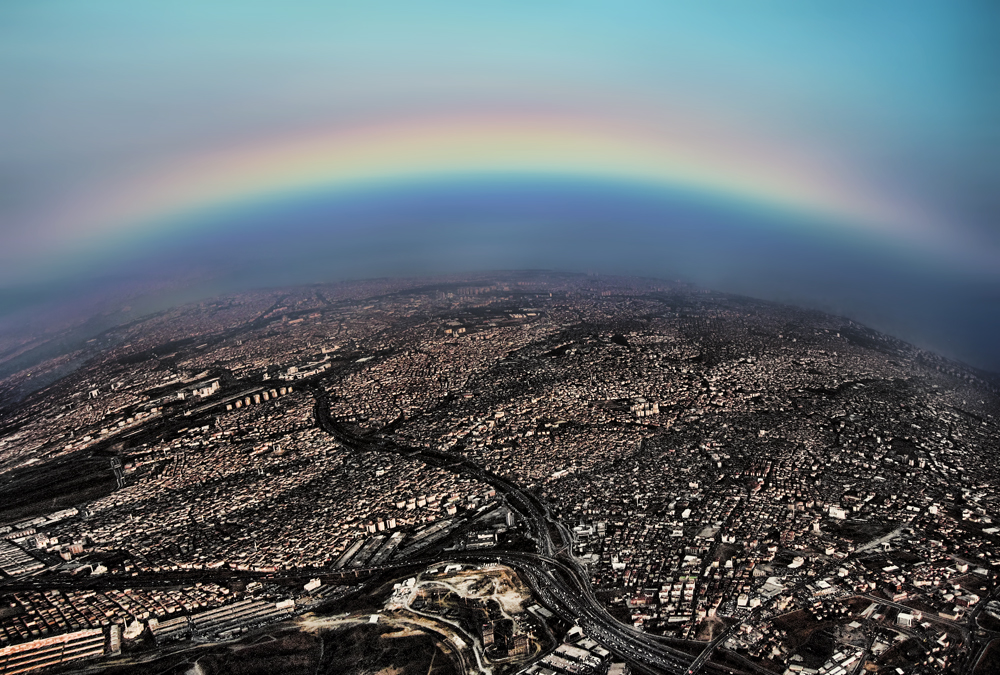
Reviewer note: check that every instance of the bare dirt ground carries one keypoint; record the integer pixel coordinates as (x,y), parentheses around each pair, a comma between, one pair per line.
(500,583)
(710,628)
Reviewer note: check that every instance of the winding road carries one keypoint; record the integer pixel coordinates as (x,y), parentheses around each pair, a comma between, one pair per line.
(557,578)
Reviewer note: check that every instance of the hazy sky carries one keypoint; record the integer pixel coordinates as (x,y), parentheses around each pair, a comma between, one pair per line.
(842,154)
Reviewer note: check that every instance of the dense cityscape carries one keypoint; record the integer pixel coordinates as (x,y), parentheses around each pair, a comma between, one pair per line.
(537,473)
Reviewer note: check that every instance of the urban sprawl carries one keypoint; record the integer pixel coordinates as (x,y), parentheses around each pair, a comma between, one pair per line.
(548,473)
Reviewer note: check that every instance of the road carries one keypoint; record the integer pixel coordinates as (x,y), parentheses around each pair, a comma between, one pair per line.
(981,638)
(961,628)
(553,573)
(706,653)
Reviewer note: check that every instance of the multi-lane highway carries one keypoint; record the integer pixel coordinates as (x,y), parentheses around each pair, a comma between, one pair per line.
(559,588)
(553,573)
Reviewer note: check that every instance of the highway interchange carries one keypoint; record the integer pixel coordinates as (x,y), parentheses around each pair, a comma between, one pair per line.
(555,576)
(553,573)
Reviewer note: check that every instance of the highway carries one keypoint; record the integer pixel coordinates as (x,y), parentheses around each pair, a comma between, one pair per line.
(558,587)
(707,652)
(980,637)
(554,575)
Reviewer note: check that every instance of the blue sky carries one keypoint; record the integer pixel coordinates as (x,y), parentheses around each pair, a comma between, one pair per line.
(898,96)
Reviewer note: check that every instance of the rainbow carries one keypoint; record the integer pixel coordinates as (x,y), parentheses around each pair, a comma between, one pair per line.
(455,148)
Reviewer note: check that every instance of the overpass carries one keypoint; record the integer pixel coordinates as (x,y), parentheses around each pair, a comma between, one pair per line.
(554,575)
